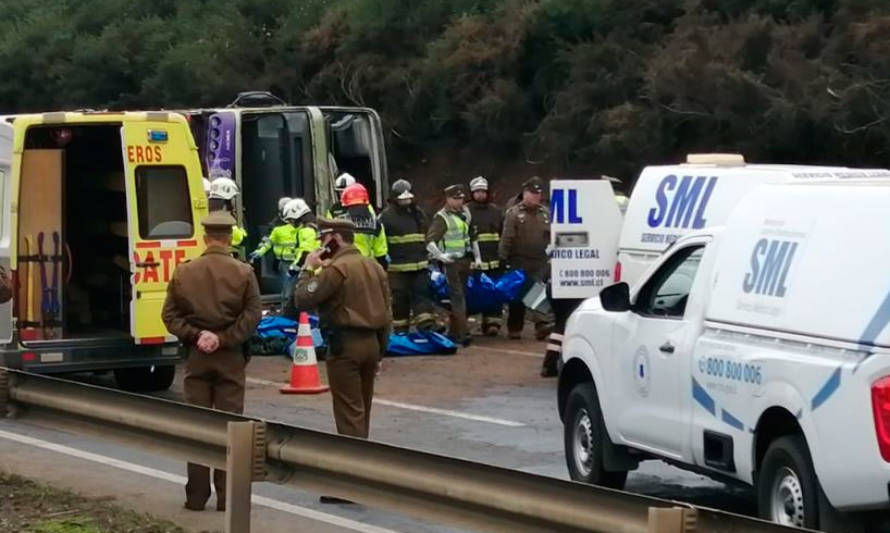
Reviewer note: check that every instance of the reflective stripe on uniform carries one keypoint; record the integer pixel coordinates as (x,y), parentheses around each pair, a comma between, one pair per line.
(488,237)
(400,323)
(408,267)
(404,239)
(556,336)
(554,347)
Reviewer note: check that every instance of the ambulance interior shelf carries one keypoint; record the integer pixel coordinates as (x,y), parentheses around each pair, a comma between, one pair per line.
(76,173)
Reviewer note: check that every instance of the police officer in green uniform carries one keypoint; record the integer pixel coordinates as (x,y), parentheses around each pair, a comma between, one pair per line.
(406,226)
(450,241)
(487,221)
(351,294)
(524,246)
(213,306)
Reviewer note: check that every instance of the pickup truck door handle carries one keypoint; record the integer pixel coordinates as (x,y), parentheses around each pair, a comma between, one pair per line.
(667,347)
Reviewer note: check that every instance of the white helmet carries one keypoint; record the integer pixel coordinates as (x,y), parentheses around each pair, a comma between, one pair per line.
(343,180)
(223,189)
(282,203)
(478,184)
(206,186)
(295,209)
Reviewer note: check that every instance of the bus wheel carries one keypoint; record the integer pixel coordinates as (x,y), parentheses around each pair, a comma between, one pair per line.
(145,378)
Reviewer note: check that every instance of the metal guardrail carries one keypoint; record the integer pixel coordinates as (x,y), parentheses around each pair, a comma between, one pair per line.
(427,486)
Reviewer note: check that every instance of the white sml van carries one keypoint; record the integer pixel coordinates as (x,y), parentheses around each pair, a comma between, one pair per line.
(670,201)
(758,352)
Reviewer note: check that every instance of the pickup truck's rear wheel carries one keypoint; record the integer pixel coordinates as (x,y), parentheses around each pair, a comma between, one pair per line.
(145,378)
(787,487)
(585,436)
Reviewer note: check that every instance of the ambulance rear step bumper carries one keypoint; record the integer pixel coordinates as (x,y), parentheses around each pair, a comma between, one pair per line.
(87,355)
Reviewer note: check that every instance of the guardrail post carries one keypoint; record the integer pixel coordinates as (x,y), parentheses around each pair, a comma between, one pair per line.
(671,520)
(245,463)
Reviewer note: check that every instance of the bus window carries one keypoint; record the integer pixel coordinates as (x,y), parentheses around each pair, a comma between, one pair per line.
(351,142)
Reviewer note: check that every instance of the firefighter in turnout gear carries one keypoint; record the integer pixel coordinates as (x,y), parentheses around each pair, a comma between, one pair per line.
(283,243)
(450,240)
(307,232)
(213,307)
(406,227)
(338,210)
(370,237)
(487,222)
(222,198)
(524,246)
(352,296)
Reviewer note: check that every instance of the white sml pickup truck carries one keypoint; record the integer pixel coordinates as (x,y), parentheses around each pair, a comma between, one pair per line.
(758,352)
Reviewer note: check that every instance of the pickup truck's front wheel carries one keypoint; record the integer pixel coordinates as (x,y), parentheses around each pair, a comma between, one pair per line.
(585,437)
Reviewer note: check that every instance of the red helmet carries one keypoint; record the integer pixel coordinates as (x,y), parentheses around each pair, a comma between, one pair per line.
(355,194)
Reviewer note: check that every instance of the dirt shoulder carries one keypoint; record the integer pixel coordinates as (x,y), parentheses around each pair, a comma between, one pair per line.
(29,507)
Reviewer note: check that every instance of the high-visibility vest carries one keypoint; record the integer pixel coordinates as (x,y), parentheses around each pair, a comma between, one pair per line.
(238,235)
(307,242)
(456,241)
(282,241)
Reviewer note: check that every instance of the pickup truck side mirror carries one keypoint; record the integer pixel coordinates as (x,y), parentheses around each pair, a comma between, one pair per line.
(616,297)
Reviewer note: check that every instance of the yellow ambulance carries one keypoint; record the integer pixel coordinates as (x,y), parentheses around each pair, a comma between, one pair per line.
(98,208)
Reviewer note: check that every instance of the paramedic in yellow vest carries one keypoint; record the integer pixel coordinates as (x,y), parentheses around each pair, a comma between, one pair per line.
(370,238)
(487,221)
(222,198)
(450,241)
(303,219)
(283,242)
(340,184)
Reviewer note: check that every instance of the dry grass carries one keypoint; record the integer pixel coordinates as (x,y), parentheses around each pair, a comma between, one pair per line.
(29,507)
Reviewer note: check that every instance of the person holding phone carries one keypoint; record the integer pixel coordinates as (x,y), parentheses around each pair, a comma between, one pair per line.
(351,293)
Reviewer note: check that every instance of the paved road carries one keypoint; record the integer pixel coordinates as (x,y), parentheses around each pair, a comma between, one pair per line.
(485,404)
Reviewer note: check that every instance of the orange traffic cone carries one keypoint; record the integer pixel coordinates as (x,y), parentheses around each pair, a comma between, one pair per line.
(304,372)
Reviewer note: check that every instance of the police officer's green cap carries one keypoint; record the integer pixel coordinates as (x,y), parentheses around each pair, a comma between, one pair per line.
(219,221)
(533,184)
(335,225)
(455,191)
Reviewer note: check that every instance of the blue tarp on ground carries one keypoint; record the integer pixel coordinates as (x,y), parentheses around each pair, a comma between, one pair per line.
(420,343)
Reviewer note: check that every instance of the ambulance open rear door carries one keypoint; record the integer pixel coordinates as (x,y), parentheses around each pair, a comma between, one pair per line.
(165,202)
(6,139)
(584,230)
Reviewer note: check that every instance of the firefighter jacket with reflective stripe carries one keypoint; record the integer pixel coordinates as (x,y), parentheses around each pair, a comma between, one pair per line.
(450,230)
(282,241)
(370,236)
(405,233)
(487,224)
